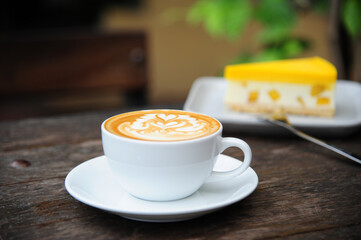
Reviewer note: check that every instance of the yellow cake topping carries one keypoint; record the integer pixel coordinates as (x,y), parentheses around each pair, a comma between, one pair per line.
(298,86)
(306,70)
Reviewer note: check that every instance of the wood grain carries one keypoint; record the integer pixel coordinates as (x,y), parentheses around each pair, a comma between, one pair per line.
(71,61)
(304,192)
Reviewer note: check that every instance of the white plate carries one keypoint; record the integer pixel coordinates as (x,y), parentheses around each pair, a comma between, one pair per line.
(207,96)
(92,183)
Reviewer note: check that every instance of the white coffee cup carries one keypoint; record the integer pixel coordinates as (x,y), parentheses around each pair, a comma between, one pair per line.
(169,170)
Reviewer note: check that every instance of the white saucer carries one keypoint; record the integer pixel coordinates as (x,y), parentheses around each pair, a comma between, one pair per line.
(92,183)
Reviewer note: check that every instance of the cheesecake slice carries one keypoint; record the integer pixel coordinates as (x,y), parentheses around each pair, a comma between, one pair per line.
(303,86)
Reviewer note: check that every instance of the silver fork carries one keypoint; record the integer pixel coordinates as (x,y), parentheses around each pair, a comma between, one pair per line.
(282,121)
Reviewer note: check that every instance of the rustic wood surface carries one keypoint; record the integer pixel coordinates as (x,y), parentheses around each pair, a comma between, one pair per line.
(304,191)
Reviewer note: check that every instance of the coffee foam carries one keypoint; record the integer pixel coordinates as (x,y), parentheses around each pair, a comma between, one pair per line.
(162,125)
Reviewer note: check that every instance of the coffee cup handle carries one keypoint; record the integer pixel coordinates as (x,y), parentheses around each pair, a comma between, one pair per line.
(227,143)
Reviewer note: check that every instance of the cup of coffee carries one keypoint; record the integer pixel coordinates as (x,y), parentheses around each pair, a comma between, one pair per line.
(164,155)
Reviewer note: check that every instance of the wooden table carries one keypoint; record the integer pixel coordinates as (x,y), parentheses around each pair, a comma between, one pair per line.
(304,191)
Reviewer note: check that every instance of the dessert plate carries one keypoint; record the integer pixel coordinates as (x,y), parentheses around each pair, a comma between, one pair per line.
(207,96)
(92,183)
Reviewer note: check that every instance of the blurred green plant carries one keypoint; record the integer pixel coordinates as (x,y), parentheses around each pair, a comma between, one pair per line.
(351,17)
(229,18)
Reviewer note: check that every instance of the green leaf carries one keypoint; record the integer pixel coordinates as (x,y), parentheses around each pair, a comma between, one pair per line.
(278,18)
(237,17)
(225,18)
(269,54)
(351,16)
(293,47)
(214,20)
(274,34)
(287,49)
(275,12)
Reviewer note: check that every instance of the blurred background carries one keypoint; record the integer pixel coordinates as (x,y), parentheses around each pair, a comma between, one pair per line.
(64,56)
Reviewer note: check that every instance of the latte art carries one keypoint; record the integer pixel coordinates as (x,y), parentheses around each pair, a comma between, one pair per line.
(162,125)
